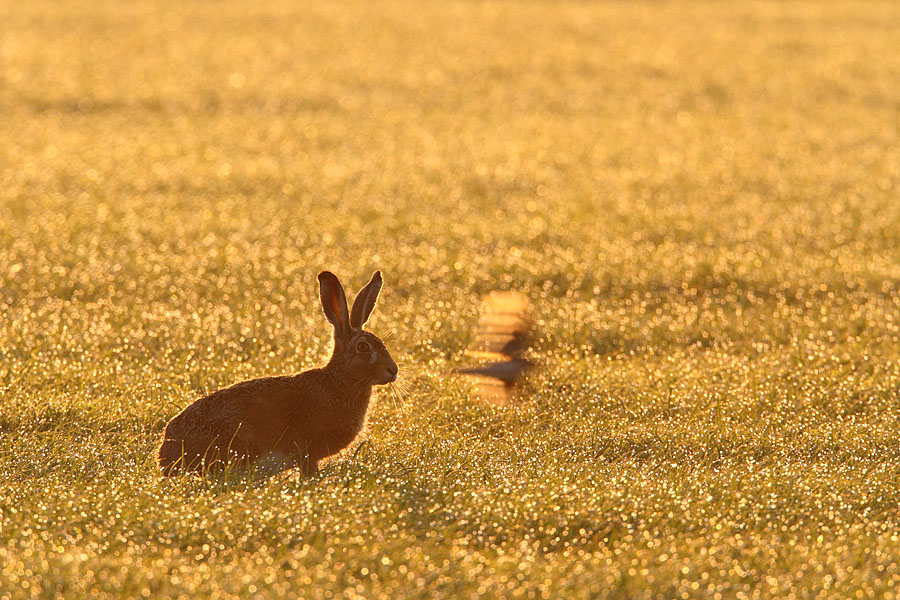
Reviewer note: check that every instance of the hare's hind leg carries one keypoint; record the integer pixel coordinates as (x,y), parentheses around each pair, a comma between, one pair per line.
(181,456)
(306,464)
(177,451)
(202,448)
(276,462)
(273,463)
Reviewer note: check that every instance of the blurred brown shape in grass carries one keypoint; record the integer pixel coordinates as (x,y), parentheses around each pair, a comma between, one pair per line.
(502,340)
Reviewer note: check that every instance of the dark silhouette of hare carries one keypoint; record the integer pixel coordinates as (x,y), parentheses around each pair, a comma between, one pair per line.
(278,423)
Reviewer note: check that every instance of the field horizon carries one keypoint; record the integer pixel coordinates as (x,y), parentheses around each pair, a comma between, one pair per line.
(700,200)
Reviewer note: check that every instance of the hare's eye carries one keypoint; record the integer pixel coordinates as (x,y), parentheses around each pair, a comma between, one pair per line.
(363,347)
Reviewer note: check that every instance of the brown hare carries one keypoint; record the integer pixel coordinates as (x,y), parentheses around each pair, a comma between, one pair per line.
(277,423)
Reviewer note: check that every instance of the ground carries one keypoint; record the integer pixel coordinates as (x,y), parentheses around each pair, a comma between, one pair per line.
(700,200)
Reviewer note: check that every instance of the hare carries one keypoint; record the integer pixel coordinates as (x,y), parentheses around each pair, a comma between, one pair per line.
(278,423)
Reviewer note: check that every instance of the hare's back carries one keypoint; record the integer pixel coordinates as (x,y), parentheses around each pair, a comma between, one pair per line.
(254,400)
(247,406)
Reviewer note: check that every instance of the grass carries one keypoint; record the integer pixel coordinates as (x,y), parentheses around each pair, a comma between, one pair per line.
(700,199)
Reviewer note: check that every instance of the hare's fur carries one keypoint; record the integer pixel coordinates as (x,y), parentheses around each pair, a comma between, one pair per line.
(283,422)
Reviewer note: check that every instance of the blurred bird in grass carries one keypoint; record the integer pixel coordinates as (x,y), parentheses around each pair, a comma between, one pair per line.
(501,341)
(507,371)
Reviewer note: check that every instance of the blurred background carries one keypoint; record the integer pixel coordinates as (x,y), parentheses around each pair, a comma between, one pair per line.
(623,162)
(699,199)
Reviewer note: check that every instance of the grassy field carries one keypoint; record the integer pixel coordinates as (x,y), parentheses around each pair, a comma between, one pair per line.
(702,201)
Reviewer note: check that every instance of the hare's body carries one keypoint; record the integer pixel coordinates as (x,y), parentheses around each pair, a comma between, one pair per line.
(284,422)
(298,420)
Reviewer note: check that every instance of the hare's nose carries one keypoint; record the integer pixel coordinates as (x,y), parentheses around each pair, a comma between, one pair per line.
(392,369)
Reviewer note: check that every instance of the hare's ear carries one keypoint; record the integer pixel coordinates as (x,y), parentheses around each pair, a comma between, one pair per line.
(365,301)
(334,303)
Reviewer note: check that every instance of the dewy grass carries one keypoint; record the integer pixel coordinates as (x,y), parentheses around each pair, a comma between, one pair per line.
(700,200)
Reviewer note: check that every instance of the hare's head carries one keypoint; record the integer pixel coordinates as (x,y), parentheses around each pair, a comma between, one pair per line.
(356,351)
